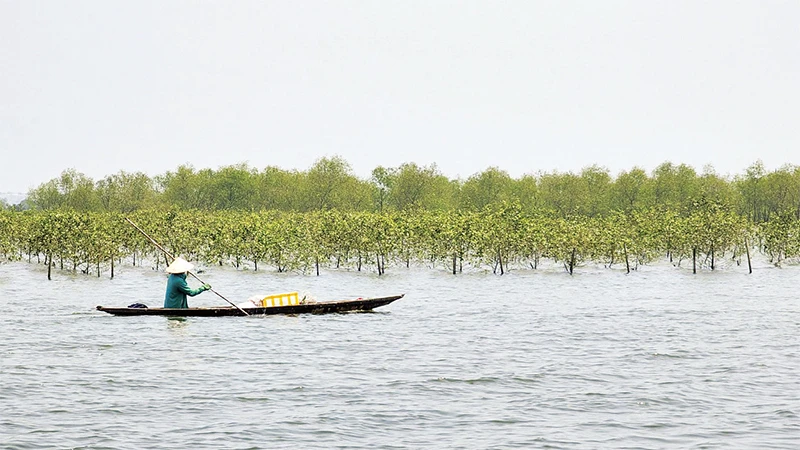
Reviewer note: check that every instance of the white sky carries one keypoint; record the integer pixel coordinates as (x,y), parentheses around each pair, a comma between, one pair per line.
(527,86)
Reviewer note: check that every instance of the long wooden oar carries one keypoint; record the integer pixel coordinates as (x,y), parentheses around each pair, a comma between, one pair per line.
(153,241)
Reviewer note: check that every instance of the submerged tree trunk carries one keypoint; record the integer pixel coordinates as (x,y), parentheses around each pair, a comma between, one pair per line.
(381,259)
(500,262)
(454,263)
(48,258)
(747,249)
(712,257)
(627,264)
(572,262)
(112,268)
(694,259)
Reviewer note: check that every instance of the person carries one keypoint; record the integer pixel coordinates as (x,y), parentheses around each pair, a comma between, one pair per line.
(177,288)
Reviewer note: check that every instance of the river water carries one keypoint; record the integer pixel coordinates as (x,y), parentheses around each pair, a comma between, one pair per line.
(659,358)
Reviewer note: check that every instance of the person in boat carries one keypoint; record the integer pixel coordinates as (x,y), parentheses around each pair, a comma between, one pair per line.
(177,288)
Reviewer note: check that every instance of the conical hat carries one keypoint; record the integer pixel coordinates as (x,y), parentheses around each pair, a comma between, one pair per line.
(180,265)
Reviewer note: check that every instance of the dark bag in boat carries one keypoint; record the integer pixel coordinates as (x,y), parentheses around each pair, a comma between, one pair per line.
(137,305)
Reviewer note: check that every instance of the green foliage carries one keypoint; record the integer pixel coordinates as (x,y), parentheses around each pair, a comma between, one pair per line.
(501,237)
(674,187)
(277,189)
(70,191)
(10,232)
(327,217)
(490,187)
(410,187)
(782,237)
(564,194)
(329,184)
(126,192)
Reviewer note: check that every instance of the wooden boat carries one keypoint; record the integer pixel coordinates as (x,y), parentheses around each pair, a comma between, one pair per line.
(365,304)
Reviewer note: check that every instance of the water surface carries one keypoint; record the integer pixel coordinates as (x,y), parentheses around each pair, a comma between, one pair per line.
(659,358)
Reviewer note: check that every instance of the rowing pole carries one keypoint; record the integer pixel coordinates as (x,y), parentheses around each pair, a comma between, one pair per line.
(153,241)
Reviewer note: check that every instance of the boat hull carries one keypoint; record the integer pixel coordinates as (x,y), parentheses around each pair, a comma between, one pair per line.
(366,304)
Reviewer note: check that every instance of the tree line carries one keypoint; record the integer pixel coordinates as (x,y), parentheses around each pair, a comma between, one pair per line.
(330,184)
(498,239)
(326,217)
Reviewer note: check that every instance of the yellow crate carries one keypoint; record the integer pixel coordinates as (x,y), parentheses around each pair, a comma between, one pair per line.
(288,299)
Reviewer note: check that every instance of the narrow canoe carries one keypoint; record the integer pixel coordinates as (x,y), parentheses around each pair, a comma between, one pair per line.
(365,304)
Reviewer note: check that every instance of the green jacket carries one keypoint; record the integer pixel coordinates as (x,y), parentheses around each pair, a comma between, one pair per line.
(177,290)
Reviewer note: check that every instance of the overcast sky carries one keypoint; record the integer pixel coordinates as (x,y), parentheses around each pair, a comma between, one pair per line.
(526,86)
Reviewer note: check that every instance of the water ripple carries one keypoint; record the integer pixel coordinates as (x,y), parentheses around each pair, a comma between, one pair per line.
(537,359)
